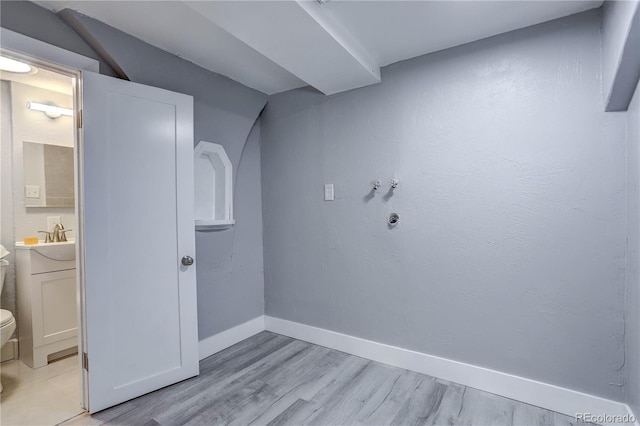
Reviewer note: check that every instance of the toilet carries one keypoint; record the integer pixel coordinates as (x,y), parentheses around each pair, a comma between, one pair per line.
(7,322)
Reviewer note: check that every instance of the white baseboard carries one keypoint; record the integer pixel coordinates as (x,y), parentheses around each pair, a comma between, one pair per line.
(532,392)
(551,397)
(230,337)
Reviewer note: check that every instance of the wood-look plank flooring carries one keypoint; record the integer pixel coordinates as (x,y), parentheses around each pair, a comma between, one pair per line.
(270,379)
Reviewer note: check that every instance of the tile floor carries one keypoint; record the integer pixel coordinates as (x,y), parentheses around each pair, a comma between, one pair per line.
(45,396)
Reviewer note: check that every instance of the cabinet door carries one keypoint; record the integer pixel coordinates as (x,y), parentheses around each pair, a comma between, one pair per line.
(54,307)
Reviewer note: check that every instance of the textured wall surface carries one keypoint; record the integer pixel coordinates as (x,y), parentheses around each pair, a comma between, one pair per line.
(231,284)
(224,113)
(633,256)
(510,252)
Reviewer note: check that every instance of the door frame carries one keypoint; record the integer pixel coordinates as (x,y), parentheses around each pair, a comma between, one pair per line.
(71,64)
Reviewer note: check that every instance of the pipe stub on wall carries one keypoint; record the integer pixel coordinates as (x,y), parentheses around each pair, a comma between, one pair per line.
(393,220)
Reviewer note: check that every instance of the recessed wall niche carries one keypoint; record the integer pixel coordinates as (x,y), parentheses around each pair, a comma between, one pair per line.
(213,187)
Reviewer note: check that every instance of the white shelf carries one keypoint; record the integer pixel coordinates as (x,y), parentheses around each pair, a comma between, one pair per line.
(214,225)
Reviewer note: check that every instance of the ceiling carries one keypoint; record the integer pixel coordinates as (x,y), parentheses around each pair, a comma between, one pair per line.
(274,46)
(43,79)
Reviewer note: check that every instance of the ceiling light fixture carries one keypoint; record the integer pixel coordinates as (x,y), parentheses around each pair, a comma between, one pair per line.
(11,65)
(50,111)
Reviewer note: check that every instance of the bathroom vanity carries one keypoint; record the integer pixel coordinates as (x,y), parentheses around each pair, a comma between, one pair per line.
(47,303)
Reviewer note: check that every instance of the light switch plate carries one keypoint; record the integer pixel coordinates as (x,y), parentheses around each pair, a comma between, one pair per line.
(52,221)
(32,191)
(328,192)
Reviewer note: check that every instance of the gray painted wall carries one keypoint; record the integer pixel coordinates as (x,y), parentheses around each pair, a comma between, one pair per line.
(510,252)
(224,112)
(231,284)
(633,256)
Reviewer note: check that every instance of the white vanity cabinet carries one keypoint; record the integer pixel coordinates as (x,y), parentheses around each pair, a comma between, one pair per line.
(47,303)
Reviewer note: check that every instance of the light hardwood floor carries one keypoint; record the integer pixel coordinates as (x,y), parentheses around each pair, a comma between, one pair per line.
(270,379)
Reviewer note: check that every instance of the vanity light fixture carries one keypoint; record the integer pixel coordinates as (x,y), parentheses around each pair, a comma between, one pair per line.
(11,65)
(50,111)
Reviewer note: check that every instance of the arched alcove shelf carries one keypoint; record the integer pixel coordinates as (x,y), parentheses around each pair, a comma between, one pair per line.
(213,188)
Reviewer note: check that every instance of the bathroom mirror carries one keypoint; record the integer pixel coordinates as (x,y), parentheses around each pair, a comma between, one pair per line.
(48,175)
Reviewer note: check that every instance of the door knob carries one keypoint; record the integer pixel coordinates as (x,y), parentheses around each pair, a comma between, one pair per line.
(187,260)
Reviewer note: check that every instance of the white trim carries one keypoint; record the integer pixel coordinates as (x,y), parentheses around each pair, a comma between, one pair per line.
(532,392)
(230,337)
(28,46)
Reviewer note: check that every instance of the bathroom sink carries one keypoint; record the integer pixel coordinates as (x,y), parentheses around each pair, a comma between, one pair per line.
(63,251)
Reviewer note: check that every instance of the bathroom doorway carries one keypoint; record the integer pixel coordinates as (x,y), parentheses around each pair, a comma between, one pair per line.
(146,298)
(41,369)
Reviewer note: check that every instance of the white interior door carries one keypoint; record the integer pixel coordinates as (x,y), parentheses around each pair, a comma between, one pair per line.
(137,190)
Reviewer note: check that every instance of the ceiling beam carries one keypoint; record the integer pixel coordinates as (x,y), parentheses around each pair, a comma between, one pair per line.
(300,36)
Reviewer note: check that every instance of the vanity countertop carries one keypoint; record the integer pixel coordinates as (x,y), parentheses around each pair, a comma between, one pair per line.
(22,246)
